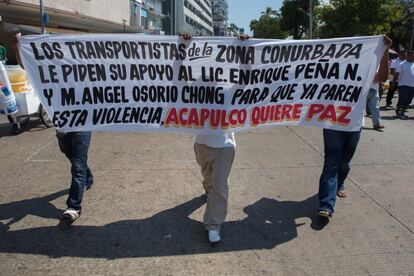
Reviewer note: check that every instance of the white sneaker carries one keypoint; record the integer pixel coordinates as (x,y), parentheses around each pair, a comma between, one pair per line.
(71,214)
(214,236)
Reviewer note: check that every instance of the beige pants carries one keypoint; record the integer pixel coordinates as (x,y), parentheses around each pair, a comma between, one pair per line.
(215,166)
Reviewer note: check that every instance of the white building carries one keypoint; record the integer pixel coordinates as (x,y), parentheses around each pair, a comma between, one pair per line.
(192,16)
(220,16)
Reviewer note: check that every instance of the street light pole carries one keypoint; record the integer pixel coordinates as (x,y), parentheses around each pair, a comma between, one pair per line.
(310,19)
(42,14)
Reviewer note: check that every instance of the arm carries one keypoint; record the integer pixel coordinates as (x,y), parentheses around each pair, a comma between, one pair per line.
(185,36)
(382,73)
(396,77)
(16,49)
(243,37)
(383,70)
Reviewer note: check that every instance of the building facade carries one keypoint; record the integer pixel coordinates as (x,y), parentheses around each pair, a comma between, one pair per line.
(79,16)
(69,16)
(220,16)
(147,15)
(192,16)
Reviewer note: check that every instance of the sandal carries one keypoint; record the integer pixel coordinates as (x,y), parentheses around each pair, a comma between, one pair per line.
(341,193)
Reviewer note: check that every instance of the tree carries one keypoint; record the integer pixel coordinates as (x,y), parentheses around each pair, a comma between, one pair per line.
(369,17)
(295,16)
(402,24)
(270,12)
(355,17)
(268,26)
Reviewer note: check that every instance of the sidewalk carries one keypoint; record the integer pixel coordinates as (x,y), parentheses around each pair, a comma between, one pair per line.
(143,215)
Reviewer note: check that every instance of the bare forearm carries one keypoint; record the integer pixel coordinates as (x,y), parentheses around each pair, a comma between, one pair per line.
(383,70)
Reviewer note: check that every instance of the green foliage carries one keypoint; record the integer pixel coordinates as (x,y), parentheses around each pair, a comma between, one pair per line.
(354,17)
(268,26)
(401,18)
(367,17)
(295,16)
(339,18)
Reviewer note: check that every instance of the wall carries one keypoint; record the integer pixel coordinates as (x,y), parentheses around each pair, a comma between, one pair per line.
(111,10)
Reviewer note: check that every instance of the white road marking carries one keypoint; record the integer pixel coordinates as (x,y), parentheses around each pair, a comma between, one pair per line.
(39,150)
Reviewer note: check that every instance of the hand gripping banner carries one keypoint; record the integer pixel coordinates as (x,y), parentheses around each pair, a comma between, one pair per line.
(128,82)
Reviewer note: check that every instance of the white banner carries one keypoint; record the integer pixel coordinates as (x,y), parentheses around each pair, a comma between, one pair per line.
(127,82)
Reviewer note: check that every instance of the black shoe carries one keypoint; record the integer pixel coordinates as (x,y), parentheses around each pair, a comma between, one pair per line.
(16,128)
(378,127)
(324,214)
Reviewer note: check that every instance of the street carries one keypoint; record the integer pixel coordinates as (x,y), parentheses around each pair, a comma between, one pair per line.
(143,215)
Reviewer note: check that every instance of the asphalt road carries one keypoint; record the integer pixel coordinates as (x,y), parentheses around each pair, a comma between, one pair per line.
(143,214)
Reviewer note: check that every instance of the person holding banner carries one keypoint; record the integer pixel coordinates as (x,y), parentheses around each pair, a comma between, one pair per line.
(75,146)
(339,147)
(215,155)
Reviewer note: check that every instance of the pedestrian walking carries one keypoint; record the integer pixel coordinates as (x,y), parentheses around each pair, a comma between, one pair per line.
(393,82)
(339,148)
(405,77)
(75,145)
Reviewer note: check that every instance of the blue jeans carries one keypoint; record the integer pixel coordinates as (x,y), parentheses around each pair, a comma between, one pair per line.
(75,146)
(340,147)
(373,106)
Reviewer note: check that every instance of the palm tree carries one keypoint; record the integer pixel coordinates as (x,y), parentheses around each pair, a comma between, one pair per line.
(269,12)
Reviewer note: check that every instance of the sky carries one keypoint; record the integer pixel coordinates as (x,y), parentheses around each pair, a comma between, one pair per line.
(241,12)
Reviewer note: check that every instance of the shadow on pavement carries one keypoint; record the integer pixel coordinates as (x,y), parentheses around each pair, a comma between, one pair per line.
(392,118)
(32,125)
(40,206)
(269,222)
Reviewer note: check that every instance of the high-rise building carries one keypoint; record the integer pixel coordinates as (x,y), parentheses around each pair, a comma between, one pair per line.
(220,16)
(147,15)
(192,16)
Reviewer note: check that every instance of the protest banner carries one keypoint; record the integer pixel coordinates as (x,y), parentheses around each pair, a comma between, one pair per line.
(129,82)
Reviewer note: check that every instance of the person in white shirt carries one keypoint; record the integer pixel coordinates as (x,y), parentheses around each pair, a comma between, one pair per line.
(405,77)
(215,155)
(393,83)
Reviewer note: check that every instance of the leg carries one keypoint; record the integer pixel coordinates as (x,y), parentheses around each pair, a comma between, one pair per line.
(380,91)
(348,151)
(403,92)
(390,93)
(328,183)
(79,160)
(204,160)
(373,104)
(216,209)
(410,95)
(65,146)
(367,106)
(89,178)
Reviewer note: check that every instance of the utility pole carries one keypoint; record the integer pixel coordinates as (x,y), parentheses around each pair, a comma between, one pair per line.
(310,19)
(42,17)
